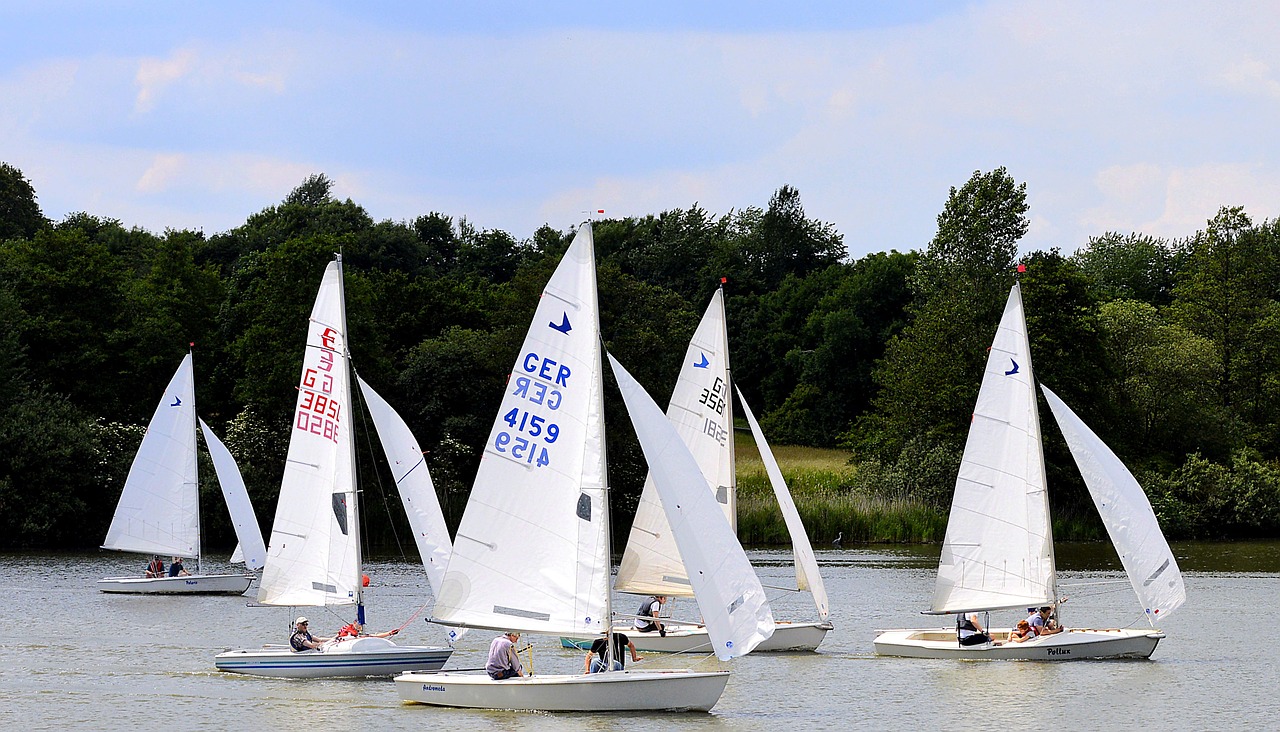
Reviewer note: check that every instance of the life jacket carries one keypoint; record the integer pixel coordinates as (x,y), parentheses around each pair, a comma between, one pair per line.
(298,640)
(348,630)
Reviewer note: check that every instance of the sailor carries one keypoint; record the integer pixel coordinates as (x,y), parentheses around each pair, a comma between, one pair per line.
(647,616)
(971,631)
(302,640)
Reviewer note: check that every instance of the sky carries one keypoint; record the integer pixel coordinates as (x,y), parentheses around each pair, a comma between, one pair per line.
(1118,116)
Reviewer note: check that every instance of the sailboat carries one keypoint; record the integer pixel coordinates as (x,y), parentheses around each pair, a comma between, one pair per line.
(532,551)
(998,550)
(314,558)
(701,410)
(159,508)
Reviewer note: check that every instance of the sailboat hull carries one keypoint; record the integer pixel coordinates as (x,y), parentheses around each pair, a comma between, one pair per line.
(358,658)
(786,637)
(676,691)
(196,584)
(1071,645)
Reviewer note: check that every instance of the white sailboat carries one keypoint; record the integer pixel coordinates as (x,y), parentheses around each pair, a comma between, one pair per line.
(532,551)
(701,410)
(314,555)
(159,508)
(998,550)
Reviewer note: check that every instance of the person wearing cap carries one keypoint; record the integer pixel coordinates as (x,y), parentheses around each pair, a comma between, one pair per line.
(503,661)
(302,640)
(155,568)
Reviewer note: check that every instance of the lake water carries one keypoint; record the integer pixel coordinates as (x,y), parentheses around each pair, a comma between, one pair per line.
(74,658)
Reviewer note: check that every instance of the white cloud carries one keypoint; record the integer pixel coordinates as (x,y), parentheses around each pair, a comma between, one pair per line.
(156,74)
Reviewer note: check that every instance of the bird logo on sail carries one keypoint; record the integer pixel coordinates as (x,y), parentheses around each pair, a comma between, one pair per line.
(177,402)
(564,326)
(702,364)
(1013,370)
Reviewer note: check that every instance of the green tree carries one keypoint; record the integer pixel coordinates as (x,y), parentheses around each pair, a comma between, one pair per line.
(20,215)
(1132,267)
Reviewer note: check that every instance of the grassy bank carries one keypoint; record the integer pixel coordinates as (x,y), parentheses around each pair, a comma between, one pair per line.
(821,483)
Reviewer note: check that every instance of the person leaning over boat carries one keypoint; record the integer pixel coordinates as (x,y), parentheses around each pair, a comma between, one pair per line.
(971,631)
(647,616)
(594,662)
(503,661)
(302,640)
(1041,622)
(355,629)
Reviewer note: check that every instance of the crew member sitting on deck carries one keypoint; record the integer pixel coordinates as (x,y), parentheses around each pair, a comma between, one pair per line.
(301,640)
(155,568)
(355,629)
(971,631)
(647,616)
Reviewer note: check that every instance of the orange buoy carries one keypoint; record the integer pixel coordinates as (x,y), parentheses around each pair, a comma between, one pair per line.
(364,580)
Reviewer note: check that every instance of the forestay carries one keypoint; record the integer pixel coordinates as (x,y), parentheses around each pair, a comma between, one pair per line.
(807,575)
(251,550)
(998,550)
(1126,513)
(313,555)
(701,409)
(531,552)
(729,595)
(159,509)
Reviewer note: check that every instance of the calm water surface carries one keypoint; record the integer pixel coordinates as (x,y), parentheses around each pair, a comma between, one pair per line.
(74,658)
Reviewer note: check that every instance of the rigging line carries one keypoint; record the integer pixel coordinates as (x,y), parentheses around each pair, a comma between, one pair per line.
(411,617)
(377,474)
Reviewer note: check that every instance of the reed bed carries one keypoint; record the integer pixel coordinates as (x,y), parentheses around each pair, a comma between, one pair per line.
(821,484)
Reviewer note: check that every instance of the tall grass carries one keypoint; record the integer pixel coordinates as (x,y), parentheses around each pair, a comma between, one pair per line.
(821,484)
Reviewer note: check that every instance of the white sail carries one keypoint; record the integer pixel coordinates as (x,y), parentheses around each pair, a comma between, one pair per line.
(237,554)
(417,492)
(313,555)
(1127,514)
(998,550)
(531,552)
(159,508)
(701,409)
(243,519)
(807,575)
(730,596)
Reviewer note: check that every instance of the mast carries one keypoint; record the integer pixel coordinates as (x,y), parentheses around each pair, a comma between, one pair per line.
(728,405)
(351,446)
(195,429)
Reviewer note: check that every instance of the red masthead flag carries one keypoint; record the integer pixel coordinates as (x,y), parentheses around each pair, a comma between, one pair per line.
(1022,268)
(599,210)
(723,280)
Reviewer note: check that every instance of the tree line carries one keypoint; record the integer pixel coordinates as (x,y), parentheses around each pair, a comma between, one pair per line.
(1170,349)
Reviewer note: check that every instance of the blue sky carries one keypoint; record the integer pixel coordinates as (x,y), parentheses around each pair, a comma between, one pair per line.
(1125,117)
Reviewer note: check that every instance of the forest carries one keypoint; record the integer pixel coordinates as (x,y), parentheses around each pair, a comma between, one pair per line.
(1169,349)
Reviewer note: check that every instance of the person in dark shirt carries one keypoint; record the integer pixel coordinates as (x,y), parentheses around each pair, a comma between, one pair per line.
(176,569)
(302,640)
(594,662)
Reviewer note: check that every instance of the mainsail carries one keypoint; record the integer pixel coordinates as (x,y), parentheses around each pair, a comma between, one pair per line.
(313,557)
(1126,513)
(531,552)
(998,550)
(701,409)
(159,508)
